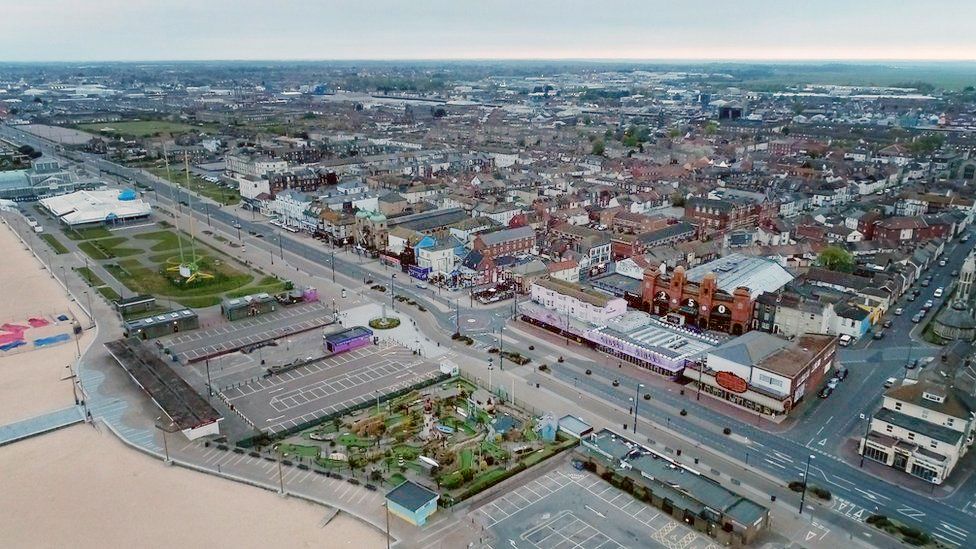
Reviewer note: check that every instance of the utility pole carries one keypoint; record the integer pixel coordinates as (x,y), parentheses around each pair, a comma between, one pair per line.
(457,317)
(806,481)
(207,205)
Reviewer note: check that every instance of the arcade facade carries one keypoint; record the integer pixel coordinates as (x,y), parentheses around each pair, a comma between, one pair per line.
(701,305)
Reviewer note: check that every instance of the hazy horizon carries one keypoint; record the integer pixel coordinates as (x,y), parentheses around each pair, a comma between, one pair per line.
(754,31)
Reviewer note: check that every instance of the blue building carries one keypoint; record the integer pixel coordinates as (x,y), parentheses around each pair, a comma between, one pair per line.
(412,502)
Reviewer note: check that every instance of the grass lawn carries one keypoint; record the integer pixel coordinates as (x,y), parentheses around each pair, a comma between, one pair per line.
(467,458)
(491,449)
(54,243)
(158,281)
(198,185)
(352,441)
(114,246)
(165,241)
(268,284)
(142,128)
(299,450)
(94,251)
(88,233)
(91,278)
(109,293)
(397,479)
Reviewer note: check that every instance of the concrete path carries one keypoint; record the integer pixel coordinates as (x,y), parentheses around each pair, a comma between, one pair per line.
(19,430)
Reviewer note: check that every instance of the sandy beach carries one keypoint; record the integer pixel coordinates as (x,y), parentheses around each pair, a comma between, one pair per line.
(30,382)
(78,487)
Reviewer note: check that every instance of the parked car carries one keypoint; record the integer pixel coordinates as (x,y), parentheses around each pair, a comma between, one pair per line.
(912,297)
(965,238)
(942,263)
(879,334)
(845,340)
(925,283)
(832,383)
(928,304)
(899,311)
(886,324)
(939,292)
(890,382)
(917,318)
(955,273)
(422,285)
(825,392)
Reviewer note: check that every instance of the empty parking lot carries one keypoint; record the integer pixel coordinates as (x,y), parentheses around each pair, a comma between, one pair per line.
(327,386)
(568,509)
(230,336)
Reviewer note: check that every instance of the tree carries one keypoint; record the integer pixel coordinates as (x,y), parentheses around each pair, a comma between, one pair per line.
(836,258)
(599,148)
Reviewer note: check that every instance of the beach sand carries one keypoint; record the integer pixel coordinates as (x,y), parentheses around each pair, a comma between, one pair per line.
(78,487)
(30,382)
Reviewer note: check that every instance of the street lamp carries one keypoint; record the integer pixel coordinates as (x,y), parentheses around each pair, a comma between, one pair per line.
(501,348)
(281,479)
(392,289)
(490,368)
(636,404)
(806,481)
(166,429)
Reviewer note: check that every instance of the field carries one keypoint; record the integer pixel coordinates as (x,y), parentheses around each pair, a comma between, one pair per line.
(198,185)
(142,128)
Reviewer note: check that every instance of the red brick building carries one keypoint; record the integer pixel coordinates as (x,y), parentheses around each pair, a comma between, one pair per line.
(512,242)
(698,304)
(902,229)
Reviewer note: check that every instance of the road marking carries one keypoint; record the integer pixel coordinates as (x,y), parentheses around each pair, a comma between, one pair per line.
(773,463)
(953,528)
(910,512)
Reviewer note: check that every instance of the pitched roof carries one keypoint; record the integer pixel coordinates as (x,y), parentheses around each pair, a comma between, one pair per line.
(751,348)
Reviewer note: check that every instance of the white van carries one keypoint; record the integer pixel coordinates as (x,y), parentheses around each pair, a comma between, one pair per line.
(846,340)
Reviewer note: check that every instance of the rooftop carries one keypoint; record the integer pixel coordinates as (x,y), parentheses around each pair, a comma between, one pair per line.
(177,399)
(586,295)
(683,485)
(738,270)
(411,495)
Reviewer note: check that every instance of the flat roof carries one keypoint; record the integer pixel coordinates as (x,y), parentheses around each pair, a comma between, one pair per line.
(168,390)
(411,495)
(347,334)
(791,360)
(737,270)
(643,330)
(587,295)
(156,320)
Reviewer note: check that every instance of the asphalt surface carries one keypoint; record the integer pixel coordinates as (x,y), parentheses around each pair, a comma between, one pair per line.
(950,518)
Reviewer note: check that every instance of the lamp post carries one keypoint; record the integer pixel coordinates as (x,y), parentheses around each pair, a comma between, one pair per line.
(501,348)
(168,428)
(806,481)
(332,261)
(281,478)
(392,289)
(636,404)
(490,368)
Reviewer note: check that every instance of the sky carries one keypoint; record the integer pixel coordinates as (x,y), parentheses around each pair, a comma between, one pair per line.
(145,30)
